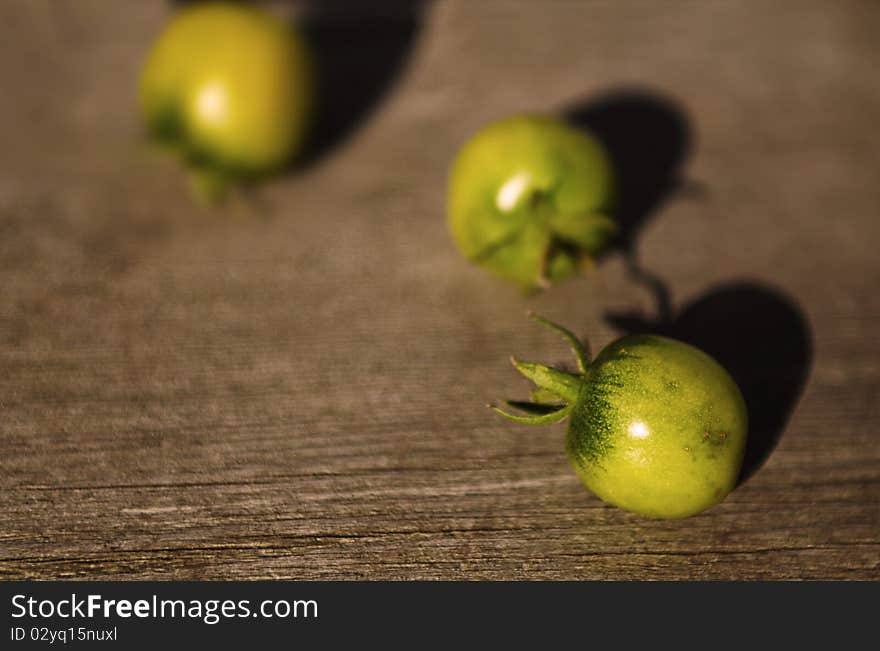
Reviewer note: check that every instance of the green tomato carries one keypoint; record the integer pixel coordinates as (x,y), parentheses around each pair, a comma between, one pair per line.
(656,426)
(229,86)
(528,199)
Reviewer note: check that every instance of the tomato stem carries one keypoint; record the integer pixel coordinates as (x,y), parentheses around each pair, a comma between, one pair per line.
(560,383)
(581,349)
(542,419)
(557,390)
(209,185)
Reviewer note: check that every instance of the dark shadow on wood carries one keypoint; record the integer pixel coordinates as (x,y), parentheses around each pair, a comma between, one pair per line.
(360,50)
(761,336)
(648,137)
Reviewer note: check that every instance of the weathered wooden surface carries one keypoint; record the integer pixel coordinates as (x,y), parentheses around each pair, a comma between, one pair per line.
(294,385)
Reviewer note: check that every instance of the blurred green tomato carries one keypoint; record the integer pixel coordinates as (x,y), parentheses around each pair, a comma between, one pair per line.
(229,86)
(528,199)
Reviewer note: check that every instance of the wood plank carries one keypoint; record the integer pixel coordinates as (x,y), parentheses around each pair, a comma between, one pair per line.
(293,385)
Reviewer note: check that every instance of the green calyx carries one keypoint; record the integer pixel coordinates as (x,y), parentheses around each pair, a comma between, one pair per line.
(209,185)
(547,245)
(556,390)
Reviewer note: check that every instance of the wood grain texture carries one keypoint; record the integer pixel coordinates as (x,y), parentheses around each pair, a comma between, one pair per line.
(293,385)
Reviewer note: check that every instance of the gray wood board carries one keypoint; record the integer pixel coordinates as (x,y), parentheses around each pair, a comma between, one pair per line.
(293,385)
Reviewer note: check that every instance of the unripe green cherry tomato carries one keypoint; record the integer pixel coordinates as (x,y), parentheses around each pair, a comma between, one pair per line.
(528,199)
(229,85)
(656,426)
